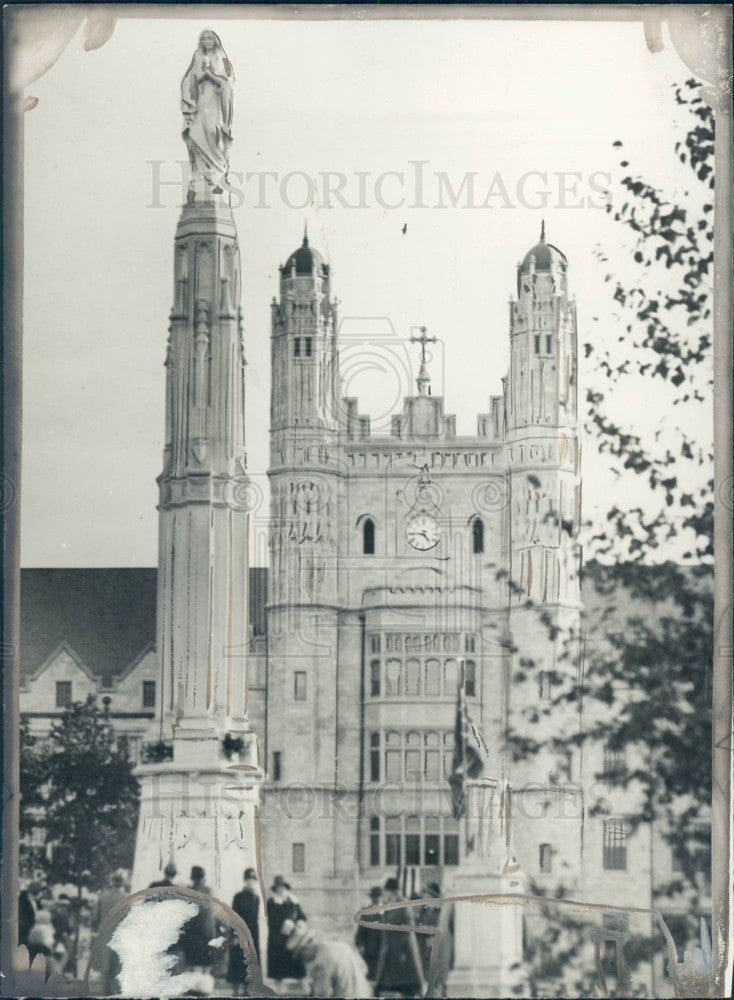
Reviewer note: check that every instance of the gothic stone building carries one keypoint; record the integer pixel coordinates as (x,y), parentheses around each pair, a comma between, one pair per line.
(400,565)
(405,568)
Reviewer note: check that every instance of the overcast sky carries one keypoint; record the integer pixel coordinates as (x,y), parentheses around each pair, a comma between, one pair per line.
(496,99)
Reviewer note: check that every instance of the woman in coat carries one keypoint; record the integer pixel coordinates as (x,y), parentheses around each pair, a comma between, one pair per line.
(282,906)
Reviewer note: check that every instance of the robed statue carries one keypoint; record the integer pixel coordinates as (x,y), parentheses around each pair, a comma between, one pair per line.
(206,102)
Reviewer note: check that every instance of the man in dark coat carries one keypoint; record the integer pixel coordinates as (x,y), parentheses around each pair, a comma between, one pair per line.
(199,930)
(246,904)
(367,940)
(399,967)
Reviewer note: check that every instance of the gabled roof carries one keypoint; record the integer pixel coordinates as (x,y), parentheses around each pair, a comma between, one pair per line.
(105,618)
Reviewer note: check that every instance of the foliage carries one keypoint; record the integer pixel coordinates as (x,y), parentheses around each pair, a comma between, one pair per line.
(32,772)
(645,687)
(83,778)
(668,339)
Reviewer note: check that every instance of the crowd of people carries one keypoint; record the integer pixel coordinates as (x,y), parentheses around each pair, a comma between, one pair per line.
(46,926)
(380,961)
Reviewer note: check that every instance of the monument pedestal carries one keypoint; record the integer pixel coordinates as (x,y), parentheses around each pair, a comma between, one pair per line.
(197,810)
(487,937)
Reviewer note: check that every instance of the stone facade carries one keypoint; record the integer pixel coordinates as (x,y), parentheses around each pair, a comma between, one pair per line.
(399,564)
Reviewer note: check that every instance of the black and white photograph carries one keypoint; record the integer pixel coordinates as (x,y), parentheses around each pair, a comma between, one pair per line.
(367,499)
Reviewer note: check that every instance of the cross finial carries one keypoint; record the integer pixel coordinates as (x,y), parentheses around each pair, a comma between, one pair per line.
(422,340)
(542,231)
(424,378)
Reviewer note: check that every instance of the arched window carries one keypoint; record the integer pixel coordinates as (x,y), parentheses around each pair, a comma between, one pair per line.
(477,535)
(368,537)
(392,678)
(413,677)
(433,679)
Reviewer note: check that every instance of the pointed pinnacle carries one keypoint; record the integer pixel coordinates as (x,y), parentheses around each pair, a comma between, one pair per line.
(542,231)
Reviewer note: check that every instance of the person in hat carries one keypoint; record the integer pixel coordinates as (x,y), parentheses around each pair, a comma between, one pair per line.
(441,916)
(399,966)
(246,904)
(282,906)
(367,941)
(333,967)
(169,874)
(199,930)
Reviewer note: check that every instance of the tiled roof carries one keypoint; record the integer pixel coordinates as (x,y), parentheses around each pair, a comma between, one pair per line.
(107,616)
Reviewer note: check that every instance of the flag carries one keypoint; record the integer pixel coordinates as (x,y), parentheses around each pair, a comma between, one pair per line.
(470,754)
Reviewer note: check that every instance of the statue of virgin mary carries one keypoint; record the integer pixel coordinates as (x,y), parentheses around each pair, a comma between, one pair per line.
(206,102)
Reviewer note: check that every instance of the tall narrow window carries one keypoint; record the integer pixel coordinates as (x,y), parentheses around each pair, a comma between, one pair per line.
(308,347)
(277,766)
(392,676)
(545,855)
(299,858)
(544,685)
(374,841)
(413,762)
(433,678)
(451,849)
(297,347)
(477,535)
(412,840)
(537,343)
(393,757)
(374,756)
(375,643)
(63,694)
(368,537)
(548,343)
(470,678)
(375,679)
(413,676)
(614,856)
(148,694)
(299,685)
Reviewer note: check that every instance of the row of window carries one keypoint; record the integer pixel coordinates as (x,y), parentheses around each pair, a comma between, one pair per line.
(413,840)
(449,642)
(368,536)
(64,694)
(411,756)
(548,343)
(307,347)
(421,678)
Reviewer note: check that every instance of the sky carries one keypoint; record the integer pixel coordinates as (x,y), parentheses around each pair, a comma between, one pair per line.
(515,108)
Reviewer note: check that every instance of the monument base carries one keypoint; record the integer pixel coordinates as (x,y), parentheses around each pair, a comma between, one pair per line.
(487,937)
(203,816)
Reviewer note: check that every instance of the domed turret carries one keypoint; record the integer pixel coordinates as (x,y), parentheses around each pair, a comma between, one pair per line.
(305,259)
(542,257)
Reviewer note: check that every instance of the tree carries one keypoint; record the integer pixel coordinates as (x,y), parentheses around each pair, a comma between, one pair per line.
(91,798)
(646,681)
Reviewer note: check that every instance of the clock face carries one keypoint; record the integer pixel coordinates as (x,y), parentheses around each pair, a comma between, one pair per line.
(422,532)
